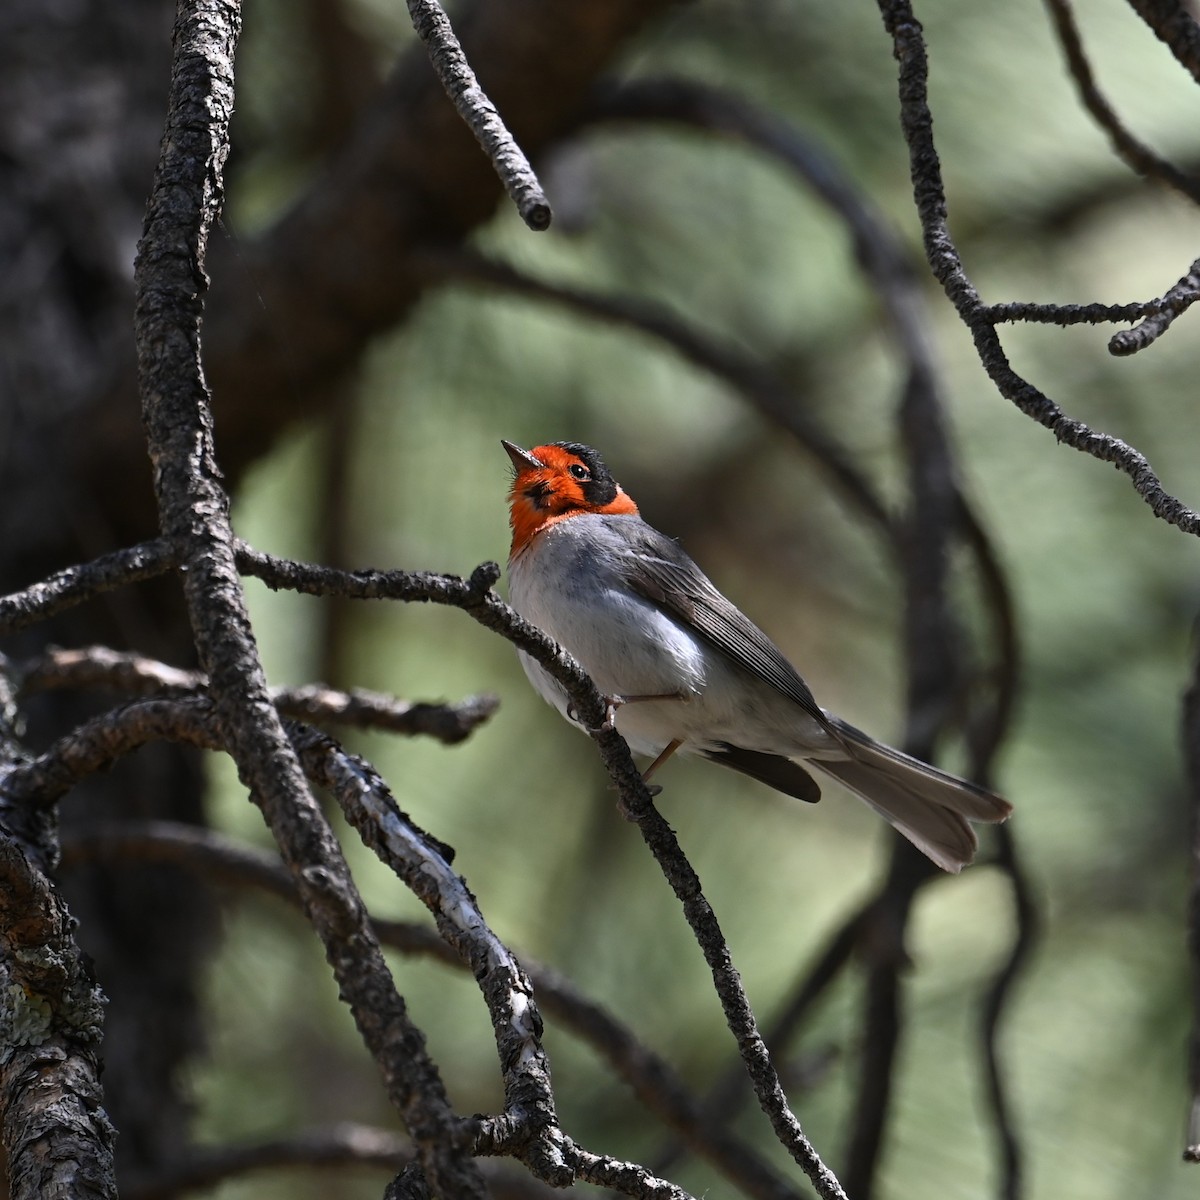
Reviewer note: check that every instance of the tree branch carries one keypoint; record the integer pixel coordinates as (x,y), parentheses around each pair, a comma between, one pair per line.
(944,260)
(477,599)
(169,283)
(55,1134)
(450,63)
(1137,155)
(74,585)
(134,674)
(1175,27)
(655,1083)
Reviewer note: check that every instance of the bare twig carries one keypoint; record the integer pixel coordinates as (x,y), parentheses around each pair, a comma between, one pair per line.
(1012,311)
(929,193)
(169,285)
(651,1078)
(627,1178)
(1139,156)
(74,585)
(1178,299)
(450,63)
(369,806)
(134,674)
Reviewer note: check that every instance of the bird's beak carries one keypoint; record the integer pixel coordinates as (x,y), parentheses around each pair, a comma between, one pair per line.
(521,459)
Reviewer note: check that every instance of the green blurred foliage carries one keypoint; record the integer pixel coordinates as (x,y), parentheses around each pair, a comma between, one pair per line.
(1094,1043)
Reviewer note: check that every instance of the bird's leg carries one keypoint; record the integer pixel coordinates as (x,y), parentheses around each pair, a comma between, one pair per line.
(652,788)
(666,753)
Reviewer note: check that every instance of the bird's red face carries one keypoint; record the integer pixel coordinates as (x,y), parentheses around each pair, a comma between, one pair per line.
(560,480)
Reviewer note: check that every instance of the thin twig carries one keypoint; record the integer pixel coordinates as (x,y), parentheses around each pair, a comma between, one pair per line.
(1139,156)
(1176,300)
(652,1079)
(450,63)
(74,585)
(1012,311)
(370,808)
(944,260)
(136,675)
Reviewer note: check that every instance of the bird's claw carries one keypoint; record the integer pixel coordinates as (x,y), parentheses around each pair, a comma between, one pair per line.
(611,704)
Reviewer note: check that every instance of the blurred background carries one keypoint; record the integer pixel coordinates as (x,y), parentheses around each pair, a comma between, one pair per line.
(406,471)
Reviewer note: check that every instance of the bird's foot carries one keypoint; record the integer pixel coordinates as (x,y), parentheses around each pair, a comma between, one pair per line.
(612,703)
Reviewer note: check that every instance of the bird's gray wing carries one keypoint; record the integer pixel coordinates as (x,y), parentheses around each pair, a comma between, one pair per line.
(659,571)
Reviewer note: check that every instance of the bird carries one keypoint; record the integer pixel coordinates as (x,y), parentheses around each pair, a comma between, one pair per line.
(683,670)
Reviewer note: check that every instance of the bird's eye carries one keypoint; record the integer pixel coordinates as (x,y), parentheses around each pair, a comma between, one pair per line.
(580,471)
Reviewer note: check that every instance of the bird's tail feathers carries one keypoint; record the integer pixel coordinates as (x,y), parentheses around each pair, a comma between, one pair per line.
(931,808)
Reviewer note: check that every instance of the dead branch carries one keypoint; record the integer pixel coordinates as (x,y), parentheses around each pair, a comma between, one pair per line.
(1137,155)
(434,29)
(137,675)
(655,1083)
(74,585)
(193,512)
(1176,300)
(946,264)
(476,598)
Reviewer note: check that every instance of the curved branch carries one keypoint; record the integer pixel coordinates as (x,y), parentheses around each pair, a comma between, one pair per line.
(929,193)
(655,1083)
(1175,301)
(1140,157)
